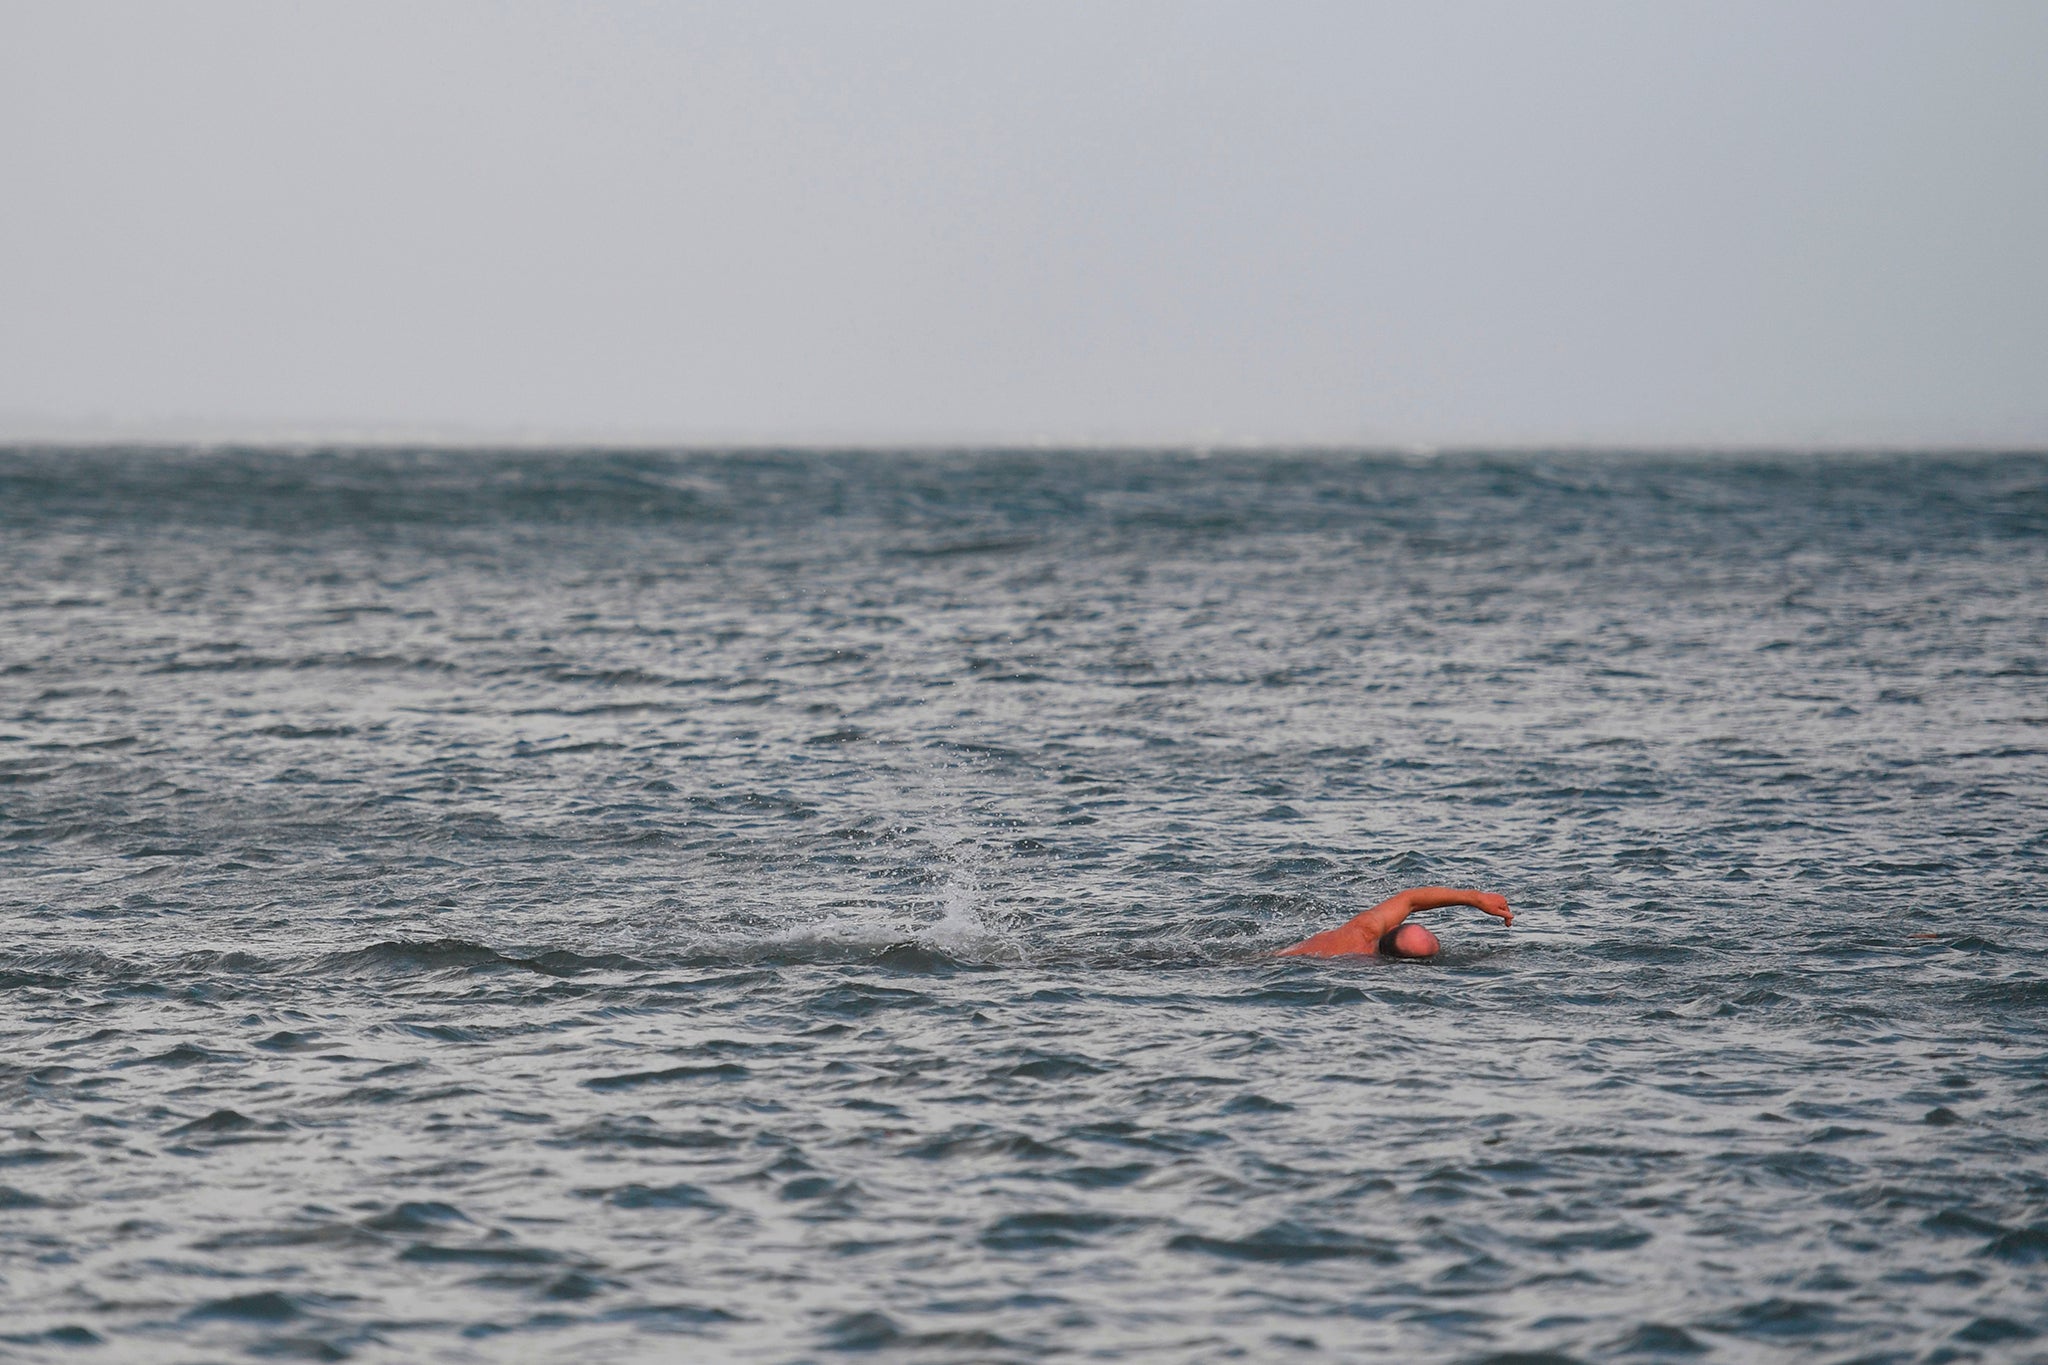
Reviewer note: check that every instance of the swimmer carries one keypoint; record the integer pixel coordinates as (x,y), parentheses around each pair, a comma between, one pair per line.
(1380,932)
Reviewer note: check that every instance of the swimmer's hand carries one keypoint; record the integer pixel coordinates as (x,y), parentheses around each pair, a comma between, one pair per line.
(1494,905)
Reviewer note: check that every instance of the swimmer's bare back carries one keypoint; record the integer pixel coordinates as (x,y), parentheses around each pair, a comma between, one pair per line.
(1380,930)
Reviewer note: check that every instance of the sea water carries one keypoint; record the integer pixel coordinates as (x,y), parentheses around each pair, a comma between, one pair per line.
(772,906)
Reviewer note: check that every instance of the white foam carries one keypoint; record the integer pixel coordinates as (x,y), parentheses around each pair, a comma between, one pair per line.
(966,929)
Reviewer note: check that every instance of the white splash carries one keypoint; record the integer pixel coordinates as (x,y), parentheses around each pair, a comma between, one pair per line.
(967,928)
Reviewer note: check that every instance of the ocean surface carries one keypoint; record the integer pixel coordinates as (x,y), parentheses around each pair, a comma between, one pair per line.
(801,906)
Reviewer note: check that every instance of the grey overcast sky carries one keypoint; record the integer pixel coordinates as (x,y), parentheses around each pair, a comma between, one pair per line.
(1795,221)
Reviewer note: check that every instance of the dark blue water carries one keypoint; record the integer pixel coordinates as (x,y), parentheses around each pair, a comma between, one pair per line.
(578,906)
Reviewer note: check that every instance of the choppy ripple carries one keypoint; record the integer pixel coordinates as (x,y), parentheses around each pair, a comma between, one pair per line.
(777,906)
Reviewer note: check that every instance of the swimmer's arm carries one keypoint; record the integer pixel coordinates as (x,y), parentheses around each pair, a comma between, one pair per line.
(1386,917)
(1362,932)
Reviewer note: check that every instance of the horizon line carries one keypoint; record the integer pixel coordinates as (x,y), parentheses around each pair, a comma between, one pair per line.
(22,430)
(479,444)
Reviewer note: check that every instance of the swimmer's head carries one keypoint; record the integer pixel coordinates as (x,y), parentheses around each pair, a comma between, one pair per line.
(1410,940)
